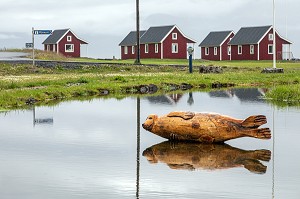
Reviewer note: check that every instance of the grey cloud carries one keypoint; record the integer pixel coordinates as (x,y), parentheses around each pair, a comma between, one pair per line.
(105,23)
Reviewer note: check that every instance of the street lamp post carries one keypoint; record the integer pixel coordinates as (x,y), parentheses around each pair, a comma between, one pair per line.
(273,69)
(274,36)
(138,55)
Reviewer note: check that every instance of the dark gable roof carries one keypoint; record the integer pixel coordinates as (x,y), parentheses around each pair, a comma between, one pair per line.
(130,39)
(152,35)
(156,34)
(55,36)
(249,35)
(215,38)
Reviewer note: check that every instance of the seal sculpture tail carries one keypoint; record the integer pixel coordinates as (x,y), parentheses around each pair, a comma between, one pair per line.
(254,121)
(263,133)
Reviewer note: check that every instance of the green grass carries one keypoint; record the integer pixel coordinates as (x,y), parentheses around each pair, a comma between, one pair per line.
(18,83)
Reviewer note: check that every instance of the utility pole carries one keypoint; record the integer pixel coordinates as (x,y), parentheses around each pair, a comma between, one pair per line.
(273,69)
(138,55)
(274,36)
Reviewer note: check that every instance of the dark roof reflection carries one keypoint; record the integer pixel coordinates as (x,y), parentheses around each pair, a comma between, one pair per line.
(165,99)
(243,94)
(250,94)
(225,94)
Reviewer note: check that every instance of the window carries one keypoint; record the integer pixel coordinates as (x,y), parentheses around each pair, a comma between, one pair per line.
(156,48)
(146,48)
(132,50)
(174,48)
(125,50)
(251,49)
(215,50)
(271,37)
(54,48)
(229,50)
(69,38)
(206,51)
(174,36)
(69,48)
(48,47)
(270,49)
(240,50)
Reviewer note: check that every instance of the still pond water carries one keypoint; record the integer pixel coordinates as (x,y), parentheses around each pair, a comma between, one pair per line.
(94,149)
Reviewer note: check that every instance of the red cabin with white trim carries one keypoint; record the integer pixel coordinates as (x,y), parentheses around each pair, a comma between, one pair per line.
(162,42)
(65,42)
(215,46)
(256,43)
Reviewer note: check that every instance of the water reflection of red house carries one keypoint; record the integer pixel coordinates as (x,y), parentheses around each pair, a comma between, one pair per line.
(175,97)
(243,94)
(169,99)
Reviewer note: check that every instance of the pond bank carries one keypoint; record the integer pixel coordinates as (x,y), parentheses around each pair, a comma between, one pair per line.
(23,84)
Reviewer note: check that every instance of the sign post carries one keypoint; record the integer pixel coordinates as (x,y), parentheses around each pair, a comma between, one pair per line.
(38,32)
(33,62)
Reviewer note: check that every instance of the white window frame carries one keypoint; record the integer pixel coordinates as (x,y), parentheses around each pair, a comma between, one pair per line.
(132,49)
(206,50)
(174,48)
(146,48)
(125,50)
(215,50)
(71,50)
(270,53)
(251,49)
(54,49)
(156,48)
(240,49)
(48,47)
(229,50)
(271,37)
(174,36)
(69,38)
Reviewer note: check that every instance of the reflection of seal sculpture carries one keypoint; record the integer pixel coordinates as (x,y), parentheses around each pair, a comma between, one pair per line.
(205,127)
(192,156)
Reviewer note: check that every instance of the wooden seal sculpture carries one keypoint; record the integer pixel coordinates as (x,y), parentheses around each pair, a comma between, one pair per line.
(194,156)
(205,127)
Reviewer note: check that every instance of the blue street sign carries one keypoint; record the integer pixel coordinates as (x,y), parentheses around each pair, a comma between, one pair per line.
(42,32)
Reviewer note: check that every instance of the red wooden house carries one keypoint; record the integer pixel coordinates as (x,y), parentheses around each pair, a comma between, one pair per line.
(256,43)
(162,42)
(215,46)
(64,42)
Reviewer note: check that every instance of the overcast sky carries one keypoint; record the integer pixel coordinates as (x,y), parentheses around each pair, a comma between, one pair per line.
(105,23)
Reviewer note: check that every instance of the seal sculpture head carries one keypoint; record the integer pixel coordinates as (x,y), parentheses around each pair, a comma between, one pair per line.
(150,121)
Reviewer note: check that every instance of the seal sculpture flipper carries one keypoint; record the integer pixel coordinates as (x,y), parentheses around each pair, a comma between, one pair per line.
(183,115)
(263,133)
(254,121)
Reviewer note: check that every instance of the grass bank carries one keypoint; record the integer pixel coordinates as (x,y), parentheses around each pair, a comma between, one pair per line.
(21,84)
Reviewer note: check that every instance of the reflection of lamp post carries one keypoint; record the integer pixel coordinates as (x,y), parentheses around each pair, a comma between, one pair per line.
(190,52)
(138,147)
(273,158)
(190,100)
